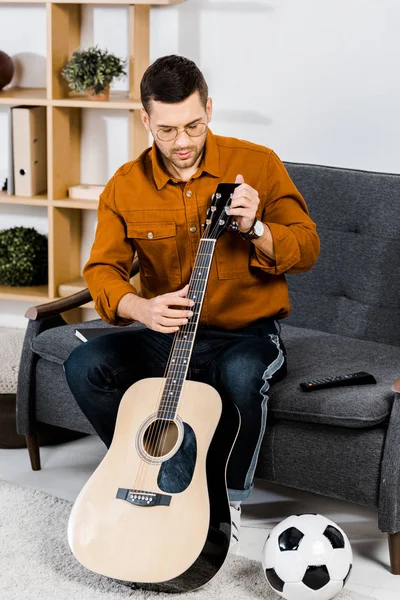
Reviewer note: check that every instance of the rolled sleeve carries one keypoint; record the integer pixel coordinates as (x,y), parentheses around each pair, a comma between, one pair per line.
(294,234)
(287,251)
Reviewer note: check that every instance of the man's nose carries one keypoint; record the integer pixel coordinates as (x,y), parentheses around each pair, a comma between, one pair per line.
(182,138)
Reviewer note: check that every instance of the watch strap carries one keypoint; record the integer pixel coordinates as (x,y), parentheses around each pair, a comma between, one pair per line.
(249,234)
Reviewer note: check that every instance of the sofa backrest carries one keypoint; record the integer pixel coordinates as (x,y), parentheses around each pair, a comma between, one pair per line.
(354,288)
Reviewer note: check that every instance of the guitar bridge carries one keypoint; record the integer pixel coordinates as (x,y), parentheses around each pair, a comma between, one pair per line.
(141,498)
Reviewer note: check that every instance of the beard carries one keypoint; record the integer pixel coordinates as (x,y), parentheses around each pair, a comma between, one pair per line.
(173,158)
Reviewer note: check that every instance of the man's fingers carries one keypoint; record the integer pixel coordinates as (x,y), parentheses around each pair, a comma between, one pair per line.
(177,314)
(242,202)
(162,329)
(166,322)
(172,300)
(183,291)
(241,212)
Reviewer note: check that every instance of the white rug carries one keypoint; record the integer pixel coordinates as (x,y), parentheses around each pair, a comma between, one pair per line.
(11,341)
(36,563)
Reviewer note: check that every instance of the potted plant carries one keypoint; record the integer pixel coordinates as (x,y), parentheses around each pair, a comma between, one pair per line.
(23,257)
(91,71)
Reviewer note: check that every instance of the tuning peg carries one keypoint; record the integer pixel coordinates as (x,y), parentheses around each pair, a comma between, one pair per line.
(234,226)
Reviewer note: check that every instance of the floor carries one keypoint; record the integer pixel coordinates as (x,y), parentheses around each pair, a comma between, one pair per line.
(65,469)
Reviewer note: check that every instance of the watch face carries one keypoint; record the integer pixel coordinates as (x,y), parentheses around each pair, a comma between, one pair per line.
(259,228)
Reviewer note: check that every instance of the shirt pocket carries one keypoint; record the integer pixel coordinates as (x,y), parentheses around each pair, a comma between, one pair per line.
(157,250)
(232,255)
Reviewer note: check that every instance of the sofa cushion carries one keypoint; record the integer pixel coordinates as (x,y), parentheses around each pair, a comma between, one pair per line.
(315,354)
(57,343)
(311,355)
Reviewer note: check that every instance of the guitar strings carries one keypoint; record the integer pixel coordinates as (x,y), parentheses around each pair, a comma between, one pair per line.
(177,372)
(209,246)
(190,327)
(159,431)
(159,426)
(163,425)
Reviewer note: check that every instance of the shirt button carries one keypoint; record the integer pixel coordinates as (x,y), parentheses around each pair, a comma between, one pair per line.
(150,234)
(193,229)
(188,193)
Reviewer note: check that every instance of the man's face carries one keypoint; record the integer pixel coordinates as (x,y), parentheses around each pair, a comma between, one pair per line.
(183,151)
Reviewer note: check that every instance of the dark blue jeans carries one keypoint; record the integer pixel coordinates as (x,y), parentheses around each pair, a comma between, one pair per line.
(241,365)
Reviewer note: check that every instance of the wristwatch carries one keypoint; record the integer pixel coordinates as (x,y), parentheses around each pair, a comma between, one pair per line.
(255,231)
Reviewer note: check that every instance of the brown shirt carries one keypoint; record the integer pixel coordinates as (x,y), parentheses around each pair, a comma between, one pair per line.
(144,209)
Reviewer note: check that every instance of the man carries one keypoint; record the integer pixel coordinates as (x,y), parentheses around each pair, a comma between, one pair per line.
(155,205)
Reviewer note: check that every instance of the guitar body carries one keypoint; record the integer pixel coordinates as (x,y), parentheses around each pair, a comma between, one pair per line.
(156,511)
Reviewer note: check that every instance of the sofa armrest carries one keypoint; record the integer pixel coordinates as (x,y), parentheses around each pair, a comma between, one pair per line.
(389,496)
(51,309)
(26,404)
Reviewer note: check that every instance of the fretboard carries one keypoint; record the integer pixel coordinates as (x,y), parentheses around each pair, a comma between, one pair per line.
(182,345)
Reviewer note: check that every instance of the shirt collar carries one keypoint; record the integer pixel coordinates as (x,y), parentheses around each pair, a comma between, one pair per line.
(209,163)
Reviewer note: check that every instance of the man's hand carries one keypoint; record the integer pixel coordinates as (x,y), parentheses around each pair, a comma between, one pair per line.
(156,313)
(244,205)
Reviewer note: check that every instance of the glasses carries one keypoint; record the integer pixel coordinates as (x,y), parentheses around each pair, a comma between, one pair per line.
(170,133)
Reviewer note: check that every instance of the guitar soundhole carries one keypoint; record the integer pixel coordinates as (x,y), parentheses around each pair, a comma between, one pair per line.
(160,437)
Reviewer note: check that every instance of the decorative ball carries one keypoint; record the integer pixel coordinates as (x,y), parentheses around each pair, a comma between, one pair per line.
(6,69)
(307,557)
(23,257)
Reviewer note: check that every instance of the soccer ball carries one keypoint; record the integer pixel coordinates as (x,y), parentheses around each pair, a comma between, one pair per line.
(307,557)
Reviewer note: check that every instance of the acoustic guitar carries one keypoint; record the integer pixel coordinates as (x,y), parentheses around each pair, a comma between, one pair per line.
(156,511)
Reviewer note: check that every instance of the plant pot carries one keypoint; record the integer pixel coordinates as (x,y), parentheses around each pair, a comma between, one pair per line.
(102,97)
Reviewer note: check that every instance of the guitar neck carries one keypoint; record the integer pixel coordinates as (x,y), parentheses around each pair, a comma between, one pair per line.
(183,343)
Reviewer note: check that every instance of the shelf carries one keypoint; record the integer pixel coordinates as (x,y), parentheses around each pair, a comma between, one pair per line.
(29,96)
(26,294)
(40,200)
(118,101)
(37,97)
(71,287)
(78,204)
(151,2)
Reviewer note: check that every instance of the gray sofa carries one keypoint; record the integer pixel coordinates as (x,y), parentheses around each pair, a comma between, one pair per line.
(342,442)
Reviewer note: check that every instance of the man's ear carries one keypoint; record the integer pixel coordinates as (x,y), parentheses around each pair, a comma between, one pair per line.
(209,109)
(145,118)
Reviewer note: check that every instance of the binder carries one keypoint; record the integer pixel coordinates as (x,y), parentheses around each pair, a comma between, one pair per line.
(29,150)
(10,172)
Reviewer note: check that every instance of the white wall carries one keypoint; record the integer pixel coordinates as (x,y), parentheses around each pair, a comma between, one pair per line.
(318,82)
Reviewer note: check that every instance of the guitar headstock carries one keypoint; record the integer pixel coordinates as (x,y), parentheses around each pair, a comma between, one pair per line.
(218,220)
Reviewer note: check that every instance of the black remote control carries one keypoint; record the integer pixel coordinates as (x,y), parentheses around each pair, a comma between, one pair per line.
(360,378)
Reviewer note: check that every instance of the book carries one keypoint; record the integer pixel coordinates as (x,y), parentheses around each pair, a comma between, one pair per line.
(85,191)
(89,334)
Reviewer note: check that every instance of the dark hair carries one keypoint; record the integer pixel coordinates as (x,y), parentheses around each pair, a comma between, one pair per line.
(172,79)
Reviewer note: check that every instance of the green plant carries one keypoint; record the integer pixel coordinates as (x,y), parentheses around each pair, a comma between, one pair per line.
(93,69)
(23,257)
